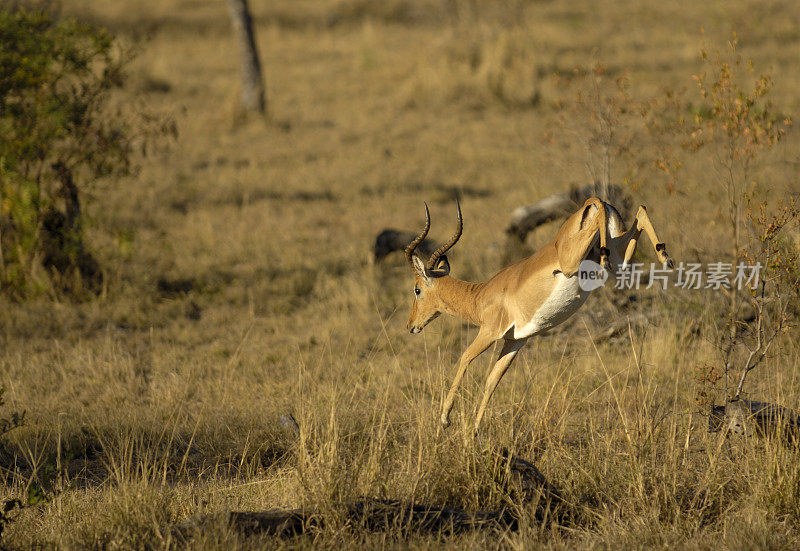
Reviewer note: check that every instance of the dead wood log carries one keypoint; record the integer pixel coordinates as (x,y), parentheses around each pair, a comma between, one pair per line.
(377,515)
(532,482)
(289,424)
(390,240)
(277,522)
(747,417)
(526,219)
(374,515)
(619,327)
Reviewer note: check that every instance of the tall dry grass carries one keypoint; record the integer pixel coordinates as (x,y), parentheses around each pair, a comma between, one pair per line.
(239,289)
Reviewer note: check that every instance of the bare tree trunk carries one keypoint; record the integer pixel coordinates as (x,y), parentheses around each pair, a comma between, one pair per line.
(253,95)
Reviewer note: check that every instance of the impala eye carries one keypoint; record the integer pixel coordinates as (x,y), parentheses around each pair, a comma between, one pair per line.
(416,291)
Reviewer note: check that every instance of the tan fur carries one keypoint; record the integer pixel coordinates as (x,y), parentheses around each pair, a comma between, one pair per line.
(533,294)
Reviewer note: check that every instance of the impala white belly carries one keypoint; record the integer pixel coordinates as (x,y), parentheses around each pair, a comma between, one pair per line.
(566,298)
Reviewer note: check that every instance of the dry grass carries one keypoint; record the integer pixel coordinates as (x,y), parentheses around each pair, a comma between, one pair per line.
(239,289)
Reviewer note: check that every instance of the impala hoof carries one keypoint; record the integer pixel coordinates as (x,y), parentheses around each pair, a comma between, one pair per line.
(669,263)
(444,421)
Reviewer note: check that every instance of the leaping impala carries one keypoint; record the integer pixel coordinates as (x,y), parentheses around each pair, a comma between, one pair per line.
(528,297)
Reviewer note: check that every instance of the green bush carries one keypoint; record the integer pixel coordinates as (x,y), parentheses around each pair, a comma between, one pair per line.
(56,129)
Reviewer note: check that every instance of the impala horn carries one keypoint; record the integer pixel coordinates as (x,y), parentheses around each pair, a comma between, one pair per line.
(446,247)
(420,238)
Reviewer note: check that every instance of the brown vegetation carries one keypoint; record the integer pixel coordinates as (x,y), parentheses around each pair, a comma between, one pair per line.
(238,287)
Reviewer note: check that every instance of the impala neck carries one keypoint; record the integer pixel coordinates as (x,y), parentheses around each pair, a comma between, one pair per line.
(460,298)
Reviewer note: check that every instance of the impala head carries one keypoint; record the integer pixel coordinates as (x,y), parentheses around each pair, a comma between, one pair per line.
(427,303)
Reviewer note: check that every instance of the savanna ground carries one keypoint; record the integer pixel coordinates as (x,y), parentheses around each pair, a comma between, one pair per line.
(239,288)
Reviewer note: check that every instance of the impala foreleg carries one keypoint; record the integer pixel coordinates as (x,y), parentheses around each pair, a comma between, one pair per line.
(572,247)
(642,223)
(482,341)
(599,226)
(601,222)
(507,355)
(632,239)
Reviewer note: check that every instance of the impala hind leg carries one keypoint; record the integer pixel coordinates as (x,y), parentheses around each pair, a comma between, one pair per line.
(507,355)
(482,341)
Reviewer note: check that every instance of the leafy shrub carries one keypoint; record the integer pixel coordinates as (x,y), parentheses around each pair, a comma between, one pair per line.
(739,125)
(57,132)
(8,423)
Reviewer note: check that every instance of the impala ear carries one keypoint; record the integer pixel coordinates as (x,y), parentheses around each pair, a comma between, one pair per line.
(419,268)
(442,267)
